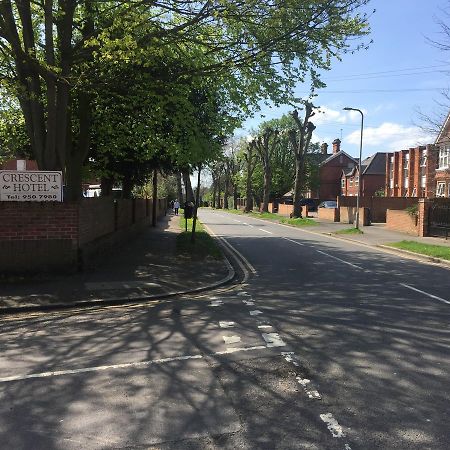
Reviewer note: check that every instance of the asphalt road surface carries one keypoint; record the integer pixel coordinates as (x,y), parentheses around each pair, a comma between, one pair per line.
(326,344)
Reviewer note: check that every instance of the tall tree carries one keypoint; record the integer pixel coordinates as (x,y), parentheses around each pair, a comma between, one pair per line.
(250,164)
(300,139)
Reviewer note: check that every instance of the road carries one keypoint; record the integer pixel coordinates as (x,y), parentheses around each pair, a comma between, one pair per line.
(325,345)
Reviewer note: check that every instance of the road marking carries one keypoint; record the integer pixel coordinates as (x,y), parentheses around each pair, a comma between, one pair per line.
(255,312)
(248,302)
(243,294)
(225,324)
(294,242)
(126,365)
(231,339)
(333,425)
(273,340)
(339,259)
(265,326)
(425,293)
(216,303)
(265,231)
(235,220)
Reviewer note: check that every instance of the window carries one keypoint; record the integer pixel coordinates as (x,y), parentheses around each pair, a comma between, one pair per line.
(444,158)
(356,181)
(414,192)
(440,191)
(423,158)
(343,183)
(351,181)
(405,170)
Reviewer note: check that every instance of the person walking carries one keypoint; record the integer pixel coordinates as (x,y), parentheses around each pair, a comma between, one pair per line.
(176,206)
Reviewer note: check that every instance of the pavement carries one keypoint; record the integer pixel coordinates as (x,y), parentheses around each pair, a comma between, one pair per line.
(148,267)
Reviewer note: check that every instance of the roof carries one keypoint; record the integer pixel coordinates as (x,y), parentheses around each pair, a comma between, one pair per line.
(334,155)
(374,165)
(444,131)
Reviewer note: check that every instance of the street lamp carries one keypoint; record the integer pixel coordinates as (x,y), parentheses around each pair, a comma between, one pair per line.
(359,164)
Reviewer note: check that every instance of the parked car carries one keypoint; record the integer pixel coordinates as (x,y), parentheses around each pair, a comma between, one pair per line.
(311,203)
(328,204)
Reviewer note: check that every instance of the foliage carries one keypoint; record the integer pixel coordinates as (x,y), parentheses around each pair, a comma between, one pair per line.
(413,210)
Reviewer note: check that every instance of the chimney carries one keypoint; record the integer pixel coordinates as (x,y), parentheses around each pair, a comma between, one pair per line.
(324,148)
(336,146)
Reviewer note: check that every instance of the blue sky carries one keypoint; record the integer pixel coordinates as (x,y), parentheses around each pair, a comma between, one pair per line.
(398,74)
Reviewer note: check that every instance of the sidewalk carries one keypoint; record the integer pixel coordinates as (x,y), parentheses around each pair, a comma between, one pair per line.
(145,267)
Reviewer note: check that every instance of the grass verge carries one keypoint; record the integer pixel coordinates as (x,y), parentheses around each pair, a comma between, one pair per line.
(203,246)
(349,231)
(436,251)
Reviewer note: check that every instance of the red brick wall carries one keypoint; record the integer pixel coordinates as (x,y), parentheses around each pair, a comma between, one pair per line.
(38,221)
(329,214)
(285,210)
(402,221)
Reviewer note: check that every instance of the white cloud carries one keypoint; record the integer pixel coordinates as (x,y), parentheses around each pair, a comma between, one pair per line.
(390,137)
(325,114)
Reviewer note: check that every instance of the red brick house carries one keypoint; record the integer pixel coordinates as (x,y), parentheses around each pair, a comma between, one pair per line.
(373,177)
(411,173)
(442,175)
(330,172)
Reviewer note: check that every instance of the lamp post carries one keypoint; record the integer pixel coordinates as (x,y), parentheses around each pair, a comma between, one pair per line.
(359,164)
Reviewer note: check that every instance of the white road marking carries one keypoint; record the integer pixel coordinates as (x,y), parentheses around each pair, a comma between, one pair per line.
(425,293)
(264,326)
(333,425)
(255,312)
(216,303)
(292,240)
(339,259)
(244,223)
(126,365)
(243,294)
(273,340)
(347,447)
(235,220)
(311,393)
(250,225)
(231,339)
(265,231)
(248,302)
(225,324)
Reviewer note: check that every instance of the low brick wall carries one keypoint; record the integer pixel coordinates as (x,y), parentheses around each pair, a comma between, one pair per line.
(378,205)
(61,237)
(402,221)
(285,210)
(329,214)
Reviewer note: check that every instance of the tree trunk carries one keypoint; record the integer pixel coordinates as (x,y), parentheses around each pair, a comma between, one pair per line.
(127,187)
(226,194)
(266,195)
(214,194)
(299,169)
(235,197)
(197,202)
(188,186)
(155,198)
(248,193)
(106,185)
(179,188)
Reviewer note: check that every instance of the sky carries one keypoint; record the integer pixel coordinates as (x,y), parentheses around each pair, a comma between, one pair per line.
(399,74)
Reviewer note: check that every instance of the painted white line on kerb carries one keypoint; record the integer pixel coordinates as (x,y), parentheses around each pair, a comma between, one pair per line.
(235,220)
(294,242)
(265,231)
(339,259)
(425,293)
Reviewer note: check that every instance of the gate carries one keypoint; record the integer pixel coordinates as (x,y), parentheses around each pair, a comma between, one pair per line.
(439,219)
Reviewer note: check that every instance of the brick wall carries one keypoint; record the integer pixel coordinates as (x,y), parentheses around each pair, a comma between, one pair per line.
(329,214)
(378,205)
(40,237)
(285,210)
(402,221)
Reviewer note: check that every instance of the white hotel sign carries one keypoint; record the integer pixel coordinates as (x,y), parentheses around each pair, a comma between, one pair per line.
(30,186)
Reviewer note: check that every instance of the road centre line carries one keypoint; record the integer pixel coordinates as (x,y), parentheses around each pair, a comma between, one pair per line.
(127,365)
(425,293)
(265,231)
(292,240)
(339,259)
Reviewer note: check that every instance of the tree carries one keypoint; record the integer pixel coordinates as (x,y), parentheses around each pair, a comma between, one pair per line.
(300,139)
(250,164)
(51,51)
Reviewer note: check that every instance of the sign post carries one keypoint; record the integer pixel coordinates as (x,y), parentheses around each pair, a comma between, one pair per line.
(30,186)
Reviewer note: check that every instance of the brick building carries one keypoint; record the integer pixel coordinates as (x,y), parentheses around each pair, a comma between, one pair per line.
(373,176)
(442,176)
(19,164)
(411,173)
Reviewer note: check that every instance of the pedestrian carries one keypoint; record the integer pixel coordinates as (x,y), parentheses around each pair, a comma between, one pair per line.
(171,204)
(176,206)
